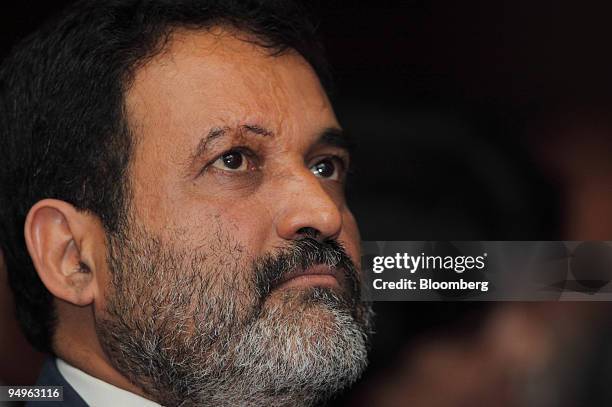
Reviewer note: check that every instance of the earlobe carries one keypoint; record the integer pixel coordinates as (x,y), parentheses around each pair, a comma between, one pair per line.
(53,234)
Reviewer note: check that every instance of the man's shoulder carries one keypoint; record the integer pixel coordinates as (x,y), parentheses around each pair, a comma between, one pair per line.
(51,376)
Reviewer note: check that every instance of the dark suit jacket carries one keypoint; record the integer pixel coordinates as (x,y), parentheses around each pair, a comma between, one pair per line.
(50,376)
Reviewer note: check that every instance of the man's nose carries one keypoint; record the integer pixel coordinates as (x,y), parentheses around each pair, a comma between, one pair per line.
(308,209)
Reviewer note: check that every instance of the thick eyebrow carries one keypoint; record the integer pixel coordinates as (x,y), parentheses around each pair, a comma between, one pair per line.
(336,137)
(218,132)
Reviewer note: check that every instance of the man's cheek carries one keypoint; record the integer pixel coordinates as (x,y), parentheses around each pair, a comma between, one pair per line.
(250,225)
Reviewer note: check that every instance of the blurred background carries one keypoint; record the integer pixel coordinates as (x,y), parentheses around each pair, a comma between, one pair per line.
(475,120)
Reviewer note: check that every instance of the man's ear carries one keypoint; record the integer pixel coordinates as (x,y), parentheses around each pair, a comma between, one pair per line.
(58,238)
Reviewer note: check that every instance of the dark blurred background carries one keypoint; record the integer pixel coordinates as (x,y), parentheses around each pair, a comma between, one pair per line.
(475,120)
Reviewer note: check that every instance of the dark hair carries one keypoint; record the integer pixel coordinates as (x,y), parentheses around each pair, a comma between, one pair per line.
(63,131)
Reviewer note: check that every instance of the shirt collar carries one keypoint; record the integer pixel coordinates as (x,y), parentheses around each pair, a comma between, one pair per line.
(96,392)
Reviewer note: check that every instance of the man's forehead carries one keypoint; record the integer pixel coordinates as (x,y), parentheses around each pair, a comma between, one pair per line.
(205,80)
(217,75)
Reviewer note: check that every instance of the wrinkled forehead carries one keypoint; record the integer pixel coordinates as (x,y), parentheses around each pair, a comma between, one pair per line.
(216,78)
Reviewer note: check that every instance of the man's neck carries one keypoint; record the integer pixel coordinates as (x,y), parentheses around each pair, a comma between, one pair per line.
(76,343)
(96,392)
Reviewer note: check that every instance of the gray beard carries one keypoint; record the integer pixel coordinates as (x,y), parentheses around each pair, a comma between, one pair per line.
(189,329)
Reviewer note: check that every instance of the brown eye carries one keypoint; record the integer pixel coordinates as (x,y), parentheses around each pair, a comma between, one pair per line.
(231,161)
(326,168)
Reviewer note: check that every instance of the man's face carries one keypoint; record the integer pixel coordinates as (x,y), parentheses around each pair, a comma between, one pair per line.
(237,184)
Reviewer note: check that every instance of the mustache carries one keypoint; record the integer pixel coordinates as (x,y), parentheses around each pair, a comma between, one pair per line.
(300,255)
